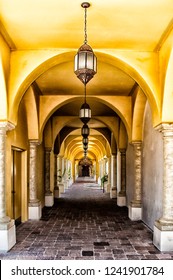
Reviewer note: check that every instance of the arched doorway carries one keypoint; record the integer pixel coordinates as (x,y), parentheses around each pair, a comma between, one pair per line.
(85,167)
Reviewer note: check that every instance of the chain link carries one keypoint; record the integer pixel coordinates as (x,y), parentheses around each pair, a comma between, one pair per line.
(85,28)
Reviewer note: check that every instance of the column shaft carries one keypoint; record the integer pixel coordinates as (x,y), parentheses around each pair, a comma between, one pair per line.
(123,172)
(33,172)
(135,208)
(59,169)
(2,173)
(7,226)
(47,171)
(55,171)
(114,171)
(167,216)
(113,192)
(163,229)
(137,166)
(4,127)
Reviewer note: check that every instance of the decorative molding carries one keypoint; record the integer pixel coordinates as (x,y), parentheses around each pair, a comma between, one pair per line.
(7,125)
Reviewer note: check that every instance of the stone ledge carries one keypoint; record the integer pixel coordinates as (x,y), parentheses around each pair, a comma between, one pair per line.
(164,226)
(6,226)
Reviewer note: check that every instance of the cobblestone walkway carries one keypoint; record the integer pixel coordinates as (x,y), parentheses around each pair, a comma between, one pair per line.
(84,224)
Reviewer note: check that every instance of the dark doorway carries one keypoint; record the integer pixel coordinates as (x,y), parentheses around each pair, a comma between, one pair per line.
(85,171)
(16,185)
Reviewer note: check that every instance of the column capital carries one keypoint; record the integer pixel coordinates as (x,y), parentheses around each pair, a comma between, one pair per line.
(48,149)
(59,156)
(34,142)
(165,128)
(122,150)
(6,126)
(136,142)
(113,155)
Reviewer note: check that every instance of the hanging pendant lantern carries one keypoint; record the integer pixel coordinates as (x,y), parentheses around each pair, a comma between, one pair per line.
(85,148)
(85,141)
(85,64)
(85,131)
(85,113)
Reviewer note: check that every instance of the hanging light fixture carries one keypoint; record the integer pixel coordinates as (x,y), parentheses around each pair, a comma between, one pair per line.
(85,131)
(85,148)
(85,64)
(85,141)
(85,111)
(85,154)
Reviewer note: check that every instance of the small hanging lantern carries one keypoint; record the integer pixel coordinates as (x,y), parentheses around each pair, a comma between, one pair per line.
(85,111)
(85,141)
(85,131)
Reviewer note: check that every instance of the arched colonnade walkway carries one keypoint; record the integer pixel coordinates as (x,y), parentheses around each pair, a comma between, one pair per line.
(130,140)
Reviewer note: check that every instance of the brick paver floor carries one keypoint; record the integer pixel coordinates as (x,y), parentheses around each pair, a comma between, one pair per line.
(85,224)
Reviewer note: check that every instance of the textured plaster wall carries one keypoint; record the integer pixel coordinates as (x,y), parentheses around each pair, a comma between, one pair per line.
(152,171)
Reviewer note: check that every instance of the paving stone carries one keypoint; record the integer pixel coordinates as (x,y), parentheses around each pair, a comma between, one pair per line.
(84,221)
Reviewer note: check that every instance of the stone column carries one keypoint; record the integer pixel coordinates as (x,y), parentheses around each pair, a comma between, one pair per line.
(108,185)
(100,172)
(113,191)
(60,164)
(121,199)
(135,208)
(7,226)
(49,199)
(163,229)
(56,188)
(34,211)
(64,172)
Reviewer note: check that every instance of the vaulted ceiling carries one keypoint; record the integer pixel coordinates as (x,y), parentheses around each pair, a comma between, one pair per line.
(112,24)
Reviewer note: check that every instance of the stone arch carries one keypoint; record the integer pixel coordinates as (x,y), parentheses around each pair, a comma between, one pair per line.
(100,147)
(31,108)
(3,90)
(49,60)
(167,105)
(115,103)
(138,114)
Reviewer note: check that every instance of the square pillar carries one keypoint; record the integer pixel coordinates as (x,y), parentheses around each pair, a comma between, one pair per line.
(34,211)
(7,226)
(135,212)
(163,237)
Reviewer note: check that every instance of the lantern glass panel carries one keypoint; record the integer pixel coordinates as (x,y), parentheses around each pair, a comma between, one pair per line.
(90,61)
(82,60)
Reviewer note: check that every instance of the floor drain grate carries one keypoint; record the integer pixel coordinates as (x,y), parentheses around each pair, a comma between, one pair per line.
(101,243)
(87,253)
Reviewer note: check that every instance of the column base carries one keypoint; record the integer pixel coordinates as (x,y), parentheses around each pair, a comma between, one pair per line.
(56,192)
(113,192)
(66,184)
(49,200)
(163,237)
(7,235)
(107,187)
(121,200)
(135,213)
(34,211)
(61,189)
